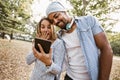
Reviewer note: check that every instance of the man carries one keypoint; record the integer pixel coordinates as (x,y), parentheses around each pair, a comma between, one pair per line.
(88,52)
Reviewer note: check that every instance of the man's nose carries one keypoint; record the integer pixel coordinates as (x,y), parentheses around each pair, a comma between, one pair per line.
(55,21)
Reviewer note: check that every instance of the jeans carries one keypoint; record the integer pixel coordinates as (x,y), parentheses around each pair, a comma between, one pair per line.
(67,77)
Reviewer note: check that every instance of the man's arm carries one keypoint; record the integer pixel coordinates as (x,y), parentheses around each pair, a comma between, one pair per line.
(106,55)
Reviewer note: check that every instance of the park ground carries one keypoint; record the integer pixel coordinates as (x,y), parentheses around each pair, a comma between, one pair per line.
(13,65)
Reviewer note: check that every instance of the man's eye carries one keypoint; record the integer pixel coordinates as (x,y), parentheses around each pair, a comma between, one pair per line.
(56,15)
(51,21)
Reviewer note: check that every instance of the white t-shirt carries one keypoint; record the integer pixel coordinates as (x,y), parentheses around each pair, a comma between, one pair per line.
(76,68)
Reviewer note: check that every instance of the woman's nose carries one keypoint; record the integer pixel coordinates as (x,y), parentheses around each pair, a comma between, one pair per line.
(46,29)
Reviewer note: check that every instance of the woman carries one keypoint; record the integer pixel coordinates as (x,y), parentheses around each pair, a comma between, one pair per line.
(42,69)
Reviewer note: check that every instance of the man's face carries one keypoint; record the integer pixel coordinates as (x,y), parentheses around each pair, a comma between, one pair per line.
(59,19)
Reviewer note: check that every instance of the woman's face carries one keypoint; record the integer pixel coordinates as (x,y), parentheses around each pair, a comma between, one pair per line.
(45,29)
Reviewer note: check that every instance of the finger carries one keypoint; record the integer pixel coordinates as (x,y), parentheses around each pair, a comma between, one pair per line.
(46,35)
(41,49)
(43,35)
(50,52)
(36,53)
(46,32)
(33,42)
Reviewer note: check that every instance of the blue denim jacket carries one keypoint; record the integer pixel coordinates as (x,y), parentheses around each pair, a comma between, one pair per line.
(87,27)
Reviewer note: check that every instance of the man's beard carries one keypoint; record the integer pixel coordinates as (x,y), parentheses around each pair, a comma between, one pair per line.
(62,27)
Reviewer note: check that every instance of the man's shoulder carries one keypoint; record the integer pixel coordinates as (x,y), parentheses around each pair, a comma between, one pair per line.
(85,21)
(84,17)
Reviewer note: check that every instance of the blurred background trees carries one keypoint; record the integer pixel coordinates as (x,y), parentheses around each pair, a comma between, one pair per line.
(102,9)
(15,16)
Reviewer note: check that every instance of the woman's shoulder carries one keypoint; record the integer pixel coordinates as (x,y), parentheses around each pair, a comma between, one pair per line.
(57,42)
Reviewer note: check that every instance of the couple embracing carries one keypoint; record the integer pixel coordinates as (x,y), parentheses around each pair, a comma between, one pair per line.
(81,46)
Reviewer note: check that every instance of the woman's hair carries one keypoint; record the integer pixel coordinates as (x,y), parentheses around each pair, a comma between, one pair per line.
(53,37)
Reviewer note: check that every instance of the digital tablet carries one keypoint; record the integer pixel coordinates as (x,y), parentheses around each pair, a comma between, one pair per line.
(44,43)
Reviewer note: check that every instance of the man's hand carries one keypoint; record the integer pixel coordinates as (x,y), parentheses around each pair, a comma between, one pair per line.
(42,56)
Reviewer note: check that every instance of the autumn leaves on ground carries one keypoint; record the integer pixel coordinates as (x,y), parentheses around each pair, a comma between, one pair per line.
(12,60)
(14,67)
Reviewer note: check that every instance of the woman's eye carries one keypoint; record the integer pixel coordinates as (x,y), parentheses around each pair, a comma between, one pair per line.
(49,27)
(42,26)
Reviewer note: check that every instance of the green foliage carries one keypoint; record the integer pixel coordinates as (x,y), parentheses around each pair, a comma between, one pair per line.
(98,8)
(84,7)
(14,14)
(114,39)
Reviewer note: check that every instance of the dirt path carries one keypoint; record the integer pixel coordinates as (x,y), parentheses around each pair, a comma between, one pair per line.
(116,58)
(12,60)
(115,72)
(14,67)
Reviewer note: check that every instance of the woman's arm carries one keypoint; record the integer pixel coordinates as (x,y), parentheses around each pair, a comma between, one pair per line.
(30,58)
(54,59)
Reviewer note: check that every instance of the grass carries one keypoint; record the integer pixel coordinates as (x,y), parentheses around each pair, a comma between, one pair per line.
(14,67)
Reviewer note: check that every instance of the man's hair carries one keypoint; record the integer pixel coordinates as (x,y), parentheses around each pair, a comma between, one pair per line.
(54,7)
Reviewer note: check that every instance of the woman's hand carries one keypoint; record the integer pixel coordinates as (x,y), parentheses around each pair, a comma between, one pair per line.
(42,56)
(44,35)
